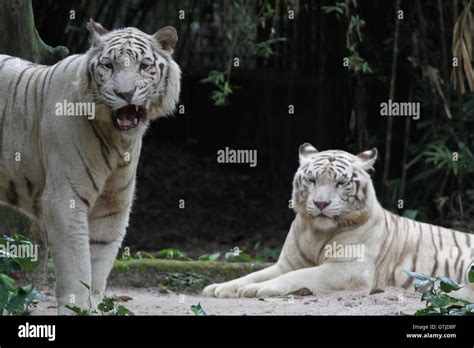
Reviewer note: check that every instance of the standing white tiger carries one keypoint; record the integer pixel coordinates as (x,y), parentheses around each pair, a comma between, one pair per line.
(337,209)
(75,175)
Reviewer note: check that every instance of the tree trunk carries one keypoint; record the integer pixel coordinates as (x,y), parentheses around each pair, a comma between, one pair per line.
(19,37)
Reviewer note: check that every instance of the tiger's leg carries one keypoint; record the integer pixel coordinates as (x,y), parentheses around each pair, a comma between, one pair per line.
(327,277)
(67,229)
(107,232)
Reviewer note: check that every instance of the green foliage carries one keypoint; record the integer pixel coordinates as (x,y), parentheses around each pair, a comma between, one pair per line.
(16,300)
(209,257)
(355,62)
(222,86)
(443,161)
(10,264)
(437,300)
(108,306)
(338,8)
(198,310)
(243,36)
(174,254)
(175,281)
(236,255)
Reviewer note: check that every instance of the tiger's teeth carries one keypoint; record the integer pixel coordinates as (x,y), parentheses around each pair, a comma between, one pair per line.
(119,122)
(136,108)
(135,121)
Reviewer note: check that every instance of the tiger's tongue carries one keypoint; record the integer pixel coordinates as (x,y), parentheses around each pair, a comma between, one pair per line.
(126,116)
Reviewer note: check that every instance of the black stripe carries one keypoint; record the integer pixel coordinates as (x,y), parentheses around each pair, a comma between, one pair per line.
(17,83)
(25,102)
(104,150)
(88,172)
(2,117)
(130,182)
(99,242)
(4,61)
(52,73)
(36,205)
(48,71)
(435,266)
(12,194)
(84,200)
(29,185)
(37,99)
(68,63)
(108,215)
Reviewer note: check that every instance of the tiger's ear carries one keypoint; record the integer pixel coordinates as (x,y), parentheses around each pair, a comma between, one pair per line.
(367,158)
(306,150)
(167,38)
(96,31)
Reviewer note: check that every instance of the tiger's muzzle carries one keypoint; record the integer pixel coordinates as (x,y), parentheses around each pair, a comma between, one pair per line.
(128,117)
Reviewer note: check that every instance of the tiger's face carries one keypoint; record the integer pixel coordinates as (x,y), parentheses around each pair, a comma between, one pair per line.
(133,73)
(332,188)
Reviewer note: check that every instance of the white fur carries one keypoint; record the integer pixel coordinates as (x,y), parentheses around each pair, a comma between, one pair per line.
(60,155)
(392,244)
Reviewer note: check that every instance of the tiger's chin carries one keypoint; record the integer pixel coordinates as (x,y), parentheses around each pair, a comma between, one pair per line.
(128,117)
(324,223)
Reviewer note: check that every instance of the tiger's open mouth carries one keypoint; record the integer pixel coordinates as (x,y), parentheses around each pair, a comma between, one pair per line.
(128,117)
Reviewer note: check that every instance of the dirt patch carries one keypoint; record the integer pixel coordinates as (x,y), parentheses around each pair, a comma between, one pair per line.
(150,301)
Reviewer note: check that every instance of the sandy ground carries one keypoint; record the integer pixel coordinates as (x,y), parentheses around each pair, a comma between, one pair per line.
(149,301)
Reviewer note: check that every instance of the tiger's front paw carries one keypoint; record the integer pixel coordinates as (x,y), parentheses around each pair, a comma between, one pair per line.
(265,289)
(223,290)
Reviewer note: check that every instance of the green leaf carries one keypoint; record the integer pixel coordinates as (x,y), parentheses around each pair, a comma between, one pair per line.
(470,275)
(419,284)
(123,311)
(448,285)
(174,254)
(106,305)
(439,301)
(77,310)
(426,311)
(198,310)
(240,256)
(419,276)
(209,257)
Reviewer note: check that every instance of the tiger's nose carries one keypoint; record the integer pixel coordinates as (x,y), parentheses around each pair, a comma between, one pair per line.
(127,96)
(321,205)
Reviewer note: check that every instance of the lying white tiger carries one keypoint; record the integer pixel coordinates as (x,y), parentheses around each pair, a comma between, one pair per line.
(75,175)
(336,207)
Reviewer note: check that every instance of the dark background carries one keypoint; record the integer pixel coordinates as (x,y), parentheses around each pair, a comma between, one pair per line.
(335,108)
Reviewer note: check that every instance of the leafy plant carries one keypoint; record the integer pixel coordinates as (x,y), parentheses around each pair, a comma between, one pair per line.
(174,254)
(436,297)
(108,306)
(176,281)
(236,255)
(198,310)
(355,62)
(243,36)
(222,86)
(16,300)
(209,257)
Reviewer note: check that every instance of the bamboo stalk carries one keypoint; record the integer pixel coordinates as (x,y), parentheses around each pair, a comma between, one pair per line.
(393,77)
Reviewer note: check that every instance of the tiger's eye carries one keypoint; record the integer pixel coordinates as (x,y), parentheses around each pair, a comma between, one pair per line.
(109,66)
(312,180)
(143,66)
